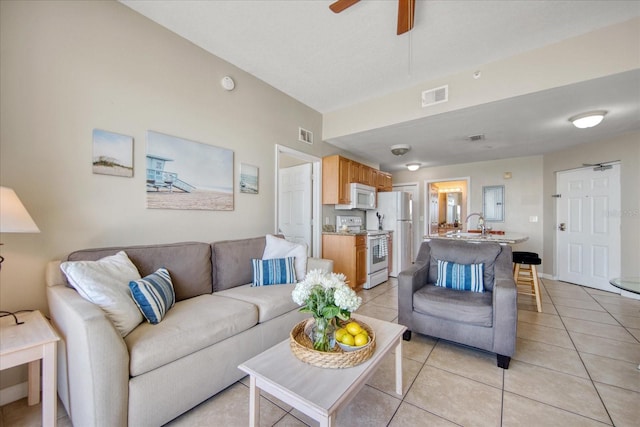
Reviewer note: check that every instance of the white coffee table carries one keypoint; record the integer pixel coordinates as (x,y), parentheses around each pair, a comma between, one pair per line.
(318,392)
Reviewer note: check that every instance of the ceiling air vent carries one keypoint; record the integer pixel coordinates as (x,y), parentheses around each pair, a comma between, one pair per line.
(478,137)
(305,136)
(435,96)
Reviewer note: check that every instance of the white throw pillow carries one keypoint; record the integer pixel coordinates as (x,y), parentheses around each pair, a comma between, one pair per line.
(106,283)
(280,248)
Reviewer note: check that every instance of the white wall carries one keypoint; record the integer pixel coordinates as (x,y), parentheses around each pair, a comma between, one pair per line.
(69,67)
(600,53)
(626,149)
(523,195)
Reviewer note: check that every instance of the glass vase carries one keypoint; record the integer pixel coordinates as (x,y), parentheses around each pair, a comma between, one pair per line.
(323,334)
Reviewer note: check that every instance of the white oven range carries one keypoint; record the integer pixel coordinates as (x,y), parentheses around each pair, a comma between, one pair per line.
(377,258)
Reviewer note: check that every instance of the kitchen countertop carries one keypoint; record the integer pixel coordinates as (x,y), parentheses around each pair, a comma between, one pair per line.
(352,233)
(345,233)
(506,238)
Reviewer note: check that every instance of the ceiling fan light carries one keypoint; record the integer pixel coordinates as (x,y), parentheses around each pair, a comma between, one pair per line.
(413,166)
(589,119)
(400,149)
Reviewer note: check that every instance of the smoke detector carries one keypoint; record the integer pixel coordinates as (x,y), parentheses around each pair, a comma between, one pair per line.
(400,149)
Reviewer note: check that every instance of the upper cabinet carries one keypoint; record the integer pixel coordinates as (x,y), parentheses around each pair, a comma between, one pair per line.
(336,176)
(338,172)
(383,181)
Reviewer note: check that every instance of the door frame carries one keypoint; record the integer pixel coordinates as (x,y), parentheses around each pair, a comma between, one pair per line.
(316,206)
(556,242)
(427,211)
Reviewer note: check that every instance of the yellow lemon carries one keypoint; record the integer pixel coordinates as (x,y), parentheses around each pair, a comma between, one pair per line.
(353,328)
(364,332)
(361,339)
(348,339)
(340,333)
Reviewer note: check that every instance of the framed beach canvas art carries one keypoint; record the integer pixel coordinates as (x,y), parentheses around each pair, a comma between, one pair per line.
(184,174)
(248,179)
(112,153)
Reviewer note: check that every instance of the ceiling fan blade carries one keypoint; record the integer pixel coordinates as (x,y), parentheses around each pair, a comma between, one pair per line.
(406,12)
(341,5)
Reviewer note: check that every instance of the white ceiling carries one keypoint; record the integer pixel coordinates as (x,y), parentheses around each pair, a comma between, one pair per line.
(330,61)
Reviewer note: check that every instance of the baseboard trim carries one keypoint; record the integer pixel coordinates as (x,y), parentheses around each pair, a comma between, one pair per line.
(13,393)
(547,276)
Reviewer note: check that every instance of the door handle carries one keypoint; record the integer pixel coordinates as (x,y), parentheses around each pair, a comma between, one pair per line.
(562,226)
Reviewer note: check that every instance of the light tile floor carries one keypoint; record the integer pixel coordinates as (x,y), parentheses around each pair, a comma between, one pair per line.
(576,364)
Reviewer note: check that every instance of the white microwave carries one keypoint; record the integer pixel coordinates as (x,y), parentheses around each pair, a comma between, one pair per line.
(361,197)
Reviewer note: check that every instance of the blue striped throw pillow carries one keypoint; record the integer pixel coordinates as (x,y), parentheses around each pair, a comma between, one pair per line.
(154,295)
(462,277)
(275,271)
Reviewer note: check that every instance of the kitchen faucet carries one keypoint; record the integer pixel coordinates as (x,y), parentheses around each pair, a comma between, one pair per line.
(483,229)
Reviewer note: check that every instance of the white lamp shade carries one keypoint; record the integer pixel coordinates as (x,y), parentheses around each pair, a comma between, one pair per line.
(14,218)
(413,166)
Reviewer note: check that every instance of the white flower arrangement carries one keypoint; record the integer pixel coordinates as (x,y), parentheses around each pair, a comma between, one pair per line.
(326,295)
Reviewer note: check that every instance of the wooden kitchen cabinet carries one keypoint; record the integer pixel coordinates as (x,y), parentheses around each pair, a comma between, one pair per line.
(336,177)
(384,181)
(338,172)
(349,255)
(361,262)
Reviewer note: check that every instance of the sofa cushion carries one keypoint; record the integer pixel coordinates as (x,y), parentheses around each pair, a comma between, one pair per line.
(189,326)
(277,247)
(272,301)
(461,306)
(105,282)
(232,261)
(463,252)
(275,271)
(463,277)
(188,262)
(154,295)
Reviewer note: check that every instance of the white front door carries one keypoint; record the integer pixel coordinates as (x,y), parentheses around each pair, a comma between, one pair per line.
(588,226)
(294,203)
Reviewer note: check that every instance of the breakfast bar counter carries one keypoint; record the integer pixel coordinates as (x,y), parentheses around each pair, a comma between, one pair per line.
(505,239)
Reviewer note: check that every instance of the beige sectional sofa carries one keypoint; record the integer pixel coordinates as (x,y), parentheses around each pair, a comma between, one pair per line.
(157,372)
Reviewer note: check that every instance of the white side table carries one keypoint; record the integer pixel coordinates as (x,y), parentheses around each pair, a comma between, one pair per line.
(29,342)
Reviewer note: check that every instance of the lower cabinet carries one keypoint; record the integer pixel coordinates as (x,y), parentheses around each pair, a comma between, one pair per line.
(349,255)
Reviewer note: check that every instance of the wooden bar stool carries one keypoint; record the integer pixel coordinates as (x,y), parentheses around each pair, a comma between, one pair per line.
(526,273)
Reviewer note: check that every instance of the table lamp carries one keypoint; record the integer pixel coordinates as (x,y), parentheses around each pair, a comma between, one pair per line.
(14,218)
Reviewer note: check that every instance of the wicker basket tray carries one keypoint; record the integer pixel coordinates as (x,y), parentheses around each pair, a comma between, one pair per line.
(302,348)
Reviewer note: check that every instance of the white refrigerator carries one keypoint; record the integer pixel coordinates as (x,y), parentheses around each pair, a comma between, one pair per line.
(394,209)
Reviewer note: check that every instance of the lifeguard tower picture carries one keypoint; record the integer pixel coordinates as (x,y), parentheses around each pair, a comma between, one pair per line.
(183,174)
(158,179)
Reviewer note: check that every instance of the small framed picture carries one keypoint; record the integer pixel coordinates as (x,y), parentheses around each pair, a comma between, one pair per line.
(112,153)
(248,179)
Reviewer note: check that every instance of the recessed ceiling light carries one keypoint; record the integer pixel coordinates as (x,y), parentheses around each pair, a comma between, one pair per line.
(589,119)
(413,166)
(400,149)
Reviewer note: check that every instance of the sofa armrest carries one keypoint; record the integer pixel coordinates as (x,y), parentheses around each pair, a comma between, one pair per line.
(409,281)
(505,305)
(96,364)
(320,264)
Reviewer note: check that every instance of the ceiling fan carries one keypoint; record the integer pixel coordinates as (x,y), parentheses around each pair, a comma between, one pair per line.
(406,12)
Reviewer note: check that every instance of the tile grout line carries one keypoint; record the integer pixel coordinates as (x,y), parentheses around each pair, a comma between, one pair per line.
(580,356)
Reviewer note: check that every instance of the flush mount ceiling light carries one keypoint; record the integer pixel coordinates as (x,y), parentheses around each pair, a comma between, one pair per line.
(413,166)
(589,119)
(400,149)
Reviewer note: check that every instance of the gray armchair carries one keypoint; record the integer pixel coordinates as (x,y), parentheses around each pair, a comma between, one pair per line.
(485,320)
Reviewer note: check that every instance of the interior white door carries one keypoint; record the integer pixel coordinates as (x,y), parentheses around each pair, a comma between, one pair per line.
(588,226)
(294,203)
